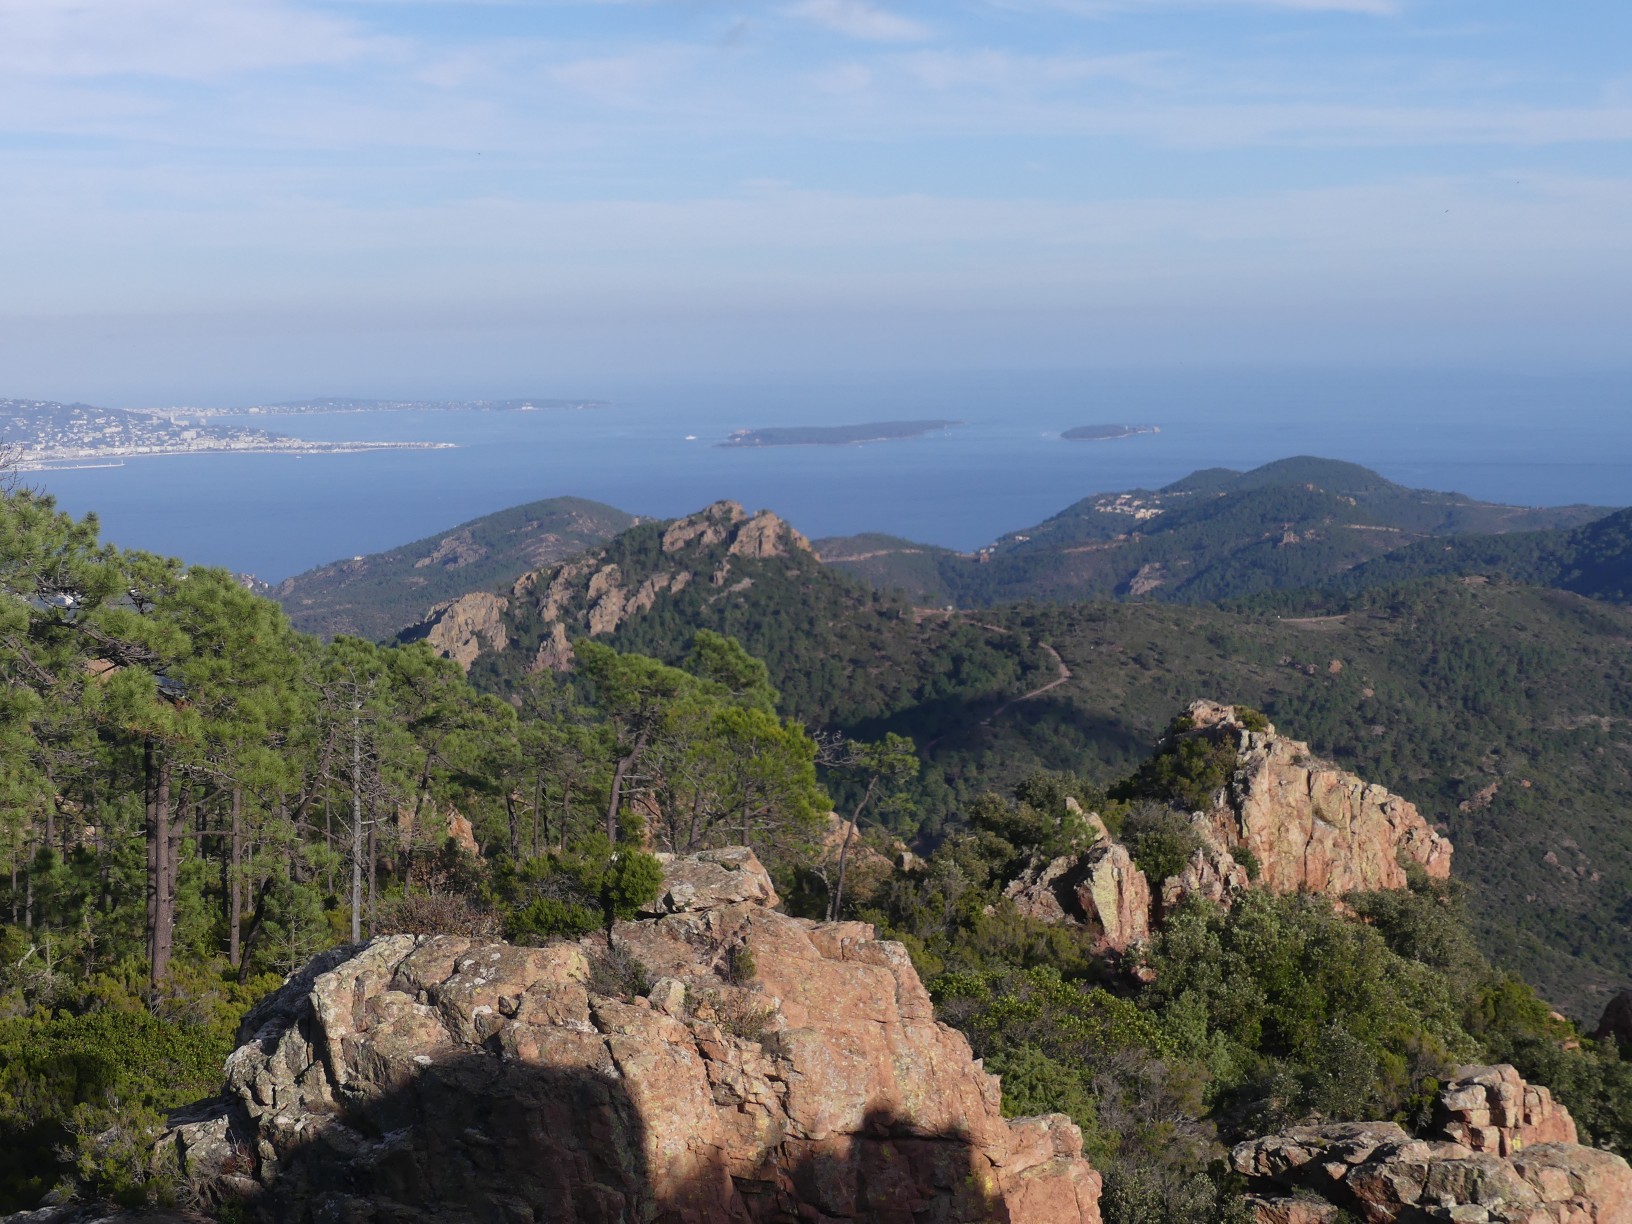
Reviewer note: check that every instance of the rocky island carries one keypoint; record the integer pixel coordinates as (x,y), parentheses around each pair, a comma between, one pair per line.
(835,435)
(1107,433)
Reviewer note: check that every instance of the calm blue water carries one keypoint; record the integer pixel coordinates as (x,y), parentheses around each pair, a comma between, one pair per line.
(1532,441)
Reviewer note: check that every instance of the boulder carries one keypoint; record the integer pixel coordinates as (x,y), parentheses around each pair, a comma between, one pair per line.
(1100,888)
(711,879)
(1616,1024)
(417,1079)
(1491,1109)
(1377,1172)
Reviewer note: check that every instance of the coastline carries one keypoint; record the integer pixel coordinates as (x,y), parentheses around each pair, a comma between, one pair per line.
(113,458)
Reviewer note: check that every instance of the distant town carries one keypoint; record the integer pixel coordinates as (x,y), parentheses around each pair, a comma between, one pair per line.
(342,404)
(46,434)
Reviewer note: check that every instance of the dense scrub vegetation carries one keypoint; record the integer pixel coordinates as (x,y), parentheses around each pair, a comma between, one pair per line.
(194,799)
(1232,1022)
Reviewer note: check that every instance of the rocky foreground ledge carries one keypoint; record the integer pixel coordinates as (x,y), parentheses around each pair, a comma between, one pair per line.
(773,1068)
(1500,1151)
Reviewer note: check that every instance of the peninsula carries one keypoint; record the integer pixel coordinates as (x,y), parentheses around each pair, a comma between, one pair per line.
(835,435)
(1106,433)
(43,434)
(327,404)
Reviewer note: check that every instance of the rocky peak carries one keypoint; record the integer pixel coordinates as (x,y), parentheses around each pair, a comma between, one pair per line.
(726,522)
(596,593)
(438,1078)
(1529,1169)
(1304,825)
(709,526)
(1309,825)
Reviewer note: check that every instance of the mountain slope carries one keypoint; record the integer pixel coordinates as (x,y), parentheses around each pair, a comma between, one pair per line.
(1594,559)
(1215,535)
(1503,711)
(375,596)
(843,656)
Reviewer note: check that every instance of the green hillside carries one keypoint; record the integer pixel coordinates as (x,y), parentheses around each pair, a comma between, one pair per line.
(374,596)
(1503,711)
(1450,692)
(1215,535)
(1593,560)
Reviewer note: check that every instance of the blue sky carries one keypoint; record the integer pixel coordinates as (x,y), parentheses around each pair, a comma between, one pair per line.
(235,199)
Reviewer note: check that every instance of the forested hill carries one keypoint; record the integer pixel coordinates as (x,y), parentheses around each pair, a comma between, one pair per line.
(195,801)
(1504,711)
(1456,693)
(1215,535)
(376,595)
(843,656)
(1593,560)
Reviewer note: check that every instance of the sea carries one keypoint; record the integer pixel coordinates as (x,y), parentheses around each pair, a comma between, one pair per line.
(1527,439)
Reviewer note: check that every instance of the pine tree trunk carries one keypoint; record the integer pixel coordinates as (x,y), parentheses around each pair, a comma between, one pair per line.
(357,826)
(235,881)
(163,885)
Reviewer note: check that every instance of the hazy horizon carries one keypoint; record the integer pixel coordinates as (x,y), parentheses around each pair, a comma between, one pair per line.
(284,198)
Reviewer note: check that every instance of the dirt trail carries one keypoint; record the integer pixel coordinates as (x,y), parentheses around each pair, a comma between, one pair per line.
(1064,675)
(1064,672)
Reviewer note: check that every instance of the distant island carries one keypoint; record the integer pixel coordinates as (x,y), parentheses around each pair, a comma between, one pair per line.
(1105,433)
(834,435)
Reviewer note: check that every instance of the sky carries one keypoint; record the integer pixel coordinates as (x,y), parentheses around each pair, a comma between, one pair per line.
(226,201)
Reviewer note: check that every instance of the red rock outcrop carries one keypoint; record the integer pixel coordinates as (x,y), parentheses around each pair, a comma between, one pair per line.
(462,628)
(1210,873)
(417,1079)
(1309,825)
(1379,1173)
(1100,888)
(1492,1109)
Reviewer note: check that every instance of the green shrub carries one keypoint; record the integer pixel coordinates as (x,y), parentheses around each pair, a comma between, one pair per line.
(546,918)
(1160,840)
(1189,772)
(615,971)
(1251,719)
(740,968)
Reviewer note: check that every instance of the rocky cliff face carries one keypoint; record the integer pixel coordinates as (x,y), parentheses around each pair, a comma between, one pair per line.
(417,1079)
(460,629)
(1523,1168)
(593,594)
(1309,825)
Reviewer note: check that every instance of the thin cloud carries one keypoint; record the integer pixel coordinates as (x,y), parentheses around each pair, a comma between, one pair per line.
(860,20)
(1102,8)
(176,39)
